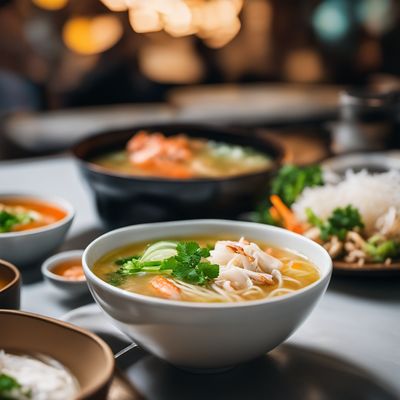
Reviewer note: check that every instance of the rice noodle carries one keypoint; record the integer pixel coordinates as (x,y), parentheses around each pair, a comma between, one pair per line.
(216,293)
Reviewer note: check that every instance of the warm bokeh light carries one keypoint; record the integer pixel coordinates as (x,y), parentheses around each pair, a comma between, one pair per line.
(175,61)
(303,65)
(92,35)
(216,21)
(116,5)
(50,4)
(144,20)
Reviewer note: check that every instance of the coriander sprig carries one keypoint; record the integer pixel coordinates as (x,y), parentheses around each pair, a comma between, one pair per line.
(186,261)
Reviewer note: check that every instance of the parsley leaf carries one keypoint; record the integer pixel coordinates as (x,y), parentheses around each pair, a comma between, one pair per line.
(9,220)
(338,224)
(122,261)
(188,264)
(379,249)
(292,180)
(10,389)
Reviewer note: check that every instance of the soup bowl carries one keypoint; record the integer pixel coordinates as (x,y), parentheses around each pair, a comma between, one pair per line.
(26,248)
(206,336)
(84,354)
(126,199)
(10,285)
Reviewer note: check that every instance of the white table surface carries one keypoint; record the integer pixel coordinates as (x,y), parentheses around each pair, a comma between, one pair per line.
(357,321)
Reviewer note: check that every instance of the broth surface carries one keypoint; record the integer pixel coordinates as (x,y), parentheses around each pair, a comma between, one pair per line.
(295,267)
(44,213)
(208,160)
(70,269)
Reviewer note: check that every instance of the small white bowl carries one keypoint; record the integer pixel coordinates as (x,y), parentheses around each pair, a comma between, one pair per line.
(206,335)
(72,287)
(26,248)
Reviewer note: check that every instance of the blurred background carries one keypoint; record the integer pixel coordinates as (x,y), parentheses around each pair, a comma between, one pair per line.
(69,68)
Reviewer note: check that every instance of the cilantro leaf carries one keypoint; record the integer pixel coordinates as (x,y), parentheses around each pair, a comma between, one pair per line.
(189,264)
(9,220)
(341,221)
(292,180)
(122,261)
(379,250)
(10,389)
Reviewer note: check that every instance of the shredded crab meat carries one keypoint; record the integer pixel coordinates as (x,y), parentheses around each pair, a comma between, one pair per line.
(243,265)
(243,254)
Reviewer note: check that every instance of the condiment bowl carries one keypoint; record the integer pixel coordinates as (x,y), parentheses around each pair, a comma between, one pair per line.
(87,356)
(27,248)
(10,286)
(206,335)
(123,200)
(69,286)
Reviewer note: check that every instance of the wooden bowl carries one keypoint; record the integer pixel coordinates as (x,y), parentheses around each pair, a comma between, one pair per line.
(10,293)
(87,356)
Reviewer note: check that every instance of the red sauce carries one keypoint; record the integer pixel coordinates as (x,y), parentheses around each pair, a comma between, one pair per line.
(70,269)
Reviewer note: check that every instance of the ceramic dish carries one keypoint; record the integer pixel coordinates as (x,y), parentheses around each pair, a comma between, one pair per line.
(10,292)
(26,248)
(293,371)
(125,199)
(372,162)
(220,331)
(69,286)
(88,357)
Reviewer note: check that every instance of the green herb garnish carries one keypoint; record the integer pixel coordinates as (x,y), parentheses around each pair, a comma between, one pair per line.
(183,260)
(292,180)
(380,249)
(122,261)
(10,389)
(9,220)
(341,221)
(288,185)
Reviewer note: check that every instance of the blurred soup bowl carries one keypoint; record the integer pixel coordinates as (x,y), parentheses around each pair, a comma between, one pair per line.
(126,199)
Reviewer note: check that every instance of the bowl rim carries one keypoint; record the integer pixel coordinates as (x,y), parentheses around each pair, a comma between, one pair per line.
(275,147)
(110,361)
(52,261)
(56,200)
(90,276)
(15,270)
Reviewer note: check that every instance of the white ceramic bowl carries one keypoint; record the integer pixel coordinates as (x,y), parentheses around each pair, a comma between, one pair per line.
(206,335)
(29,247)
(68,286)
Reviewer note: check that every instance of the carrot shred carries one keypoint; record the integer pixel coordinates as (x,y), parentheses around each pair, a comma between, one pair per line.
(274,214)
(290,222)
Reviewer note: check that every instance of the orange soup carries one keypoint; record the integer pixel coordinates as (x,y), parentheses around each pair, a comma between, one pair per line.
(70,269)
(22,214)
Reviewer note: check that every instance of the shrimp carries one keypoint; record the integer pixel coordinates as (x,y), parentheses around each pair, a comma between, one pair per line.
(160,155)
(165,288)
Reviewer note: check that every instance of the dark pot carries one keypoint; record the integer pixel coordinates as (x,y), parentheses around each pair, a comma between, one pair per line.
(124,200)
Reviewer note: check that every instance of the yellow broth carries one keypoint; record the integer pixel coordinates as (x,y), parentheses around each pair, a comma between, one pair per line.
(205,164)
(295,266)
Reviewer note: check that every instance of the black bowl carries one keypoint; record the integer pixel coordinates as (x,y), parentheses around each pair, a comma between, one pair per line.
(124,199)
